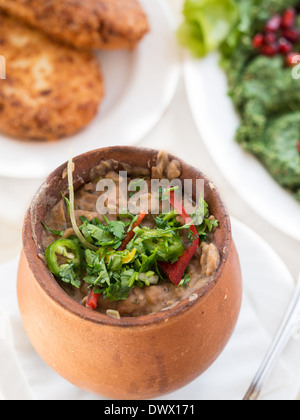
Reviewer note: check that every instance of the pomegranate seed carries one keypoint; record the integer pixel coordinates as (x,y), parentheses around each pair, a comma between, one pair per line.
(288,18)
(291,35)
(284,46)
(269,50)
(292,59)
(270,37)
(258,41)
(273,24)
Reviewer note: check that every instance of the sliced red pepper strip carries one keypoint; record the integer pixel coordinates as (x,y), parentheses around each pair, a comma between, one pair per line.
(92,301)
(130,234)
(176,271)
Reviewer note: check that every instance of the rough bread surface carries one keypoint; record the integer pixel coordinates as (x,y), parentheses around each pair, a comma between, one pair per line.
(103,24)
(51,91)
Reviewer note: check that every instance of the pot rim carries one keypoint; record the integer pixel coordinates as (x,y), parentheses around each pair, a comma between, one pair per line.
(50,286)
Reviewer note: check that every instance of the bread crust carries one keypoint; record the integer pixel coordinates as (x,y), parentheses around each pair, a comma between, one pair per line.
(93,24)
(51,90)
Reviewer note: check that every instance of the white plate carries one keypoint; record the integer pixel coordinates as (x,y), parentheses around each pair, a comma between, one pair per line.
(217,121)
(268,287)
(139,87)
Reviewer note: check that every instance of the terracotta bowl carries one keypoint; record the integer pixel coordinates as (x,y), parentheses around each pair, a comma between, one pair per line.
(130,358)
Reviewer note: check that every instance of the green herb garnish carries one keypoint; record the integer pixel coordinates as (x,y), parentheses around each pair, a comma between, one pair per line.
(114,256)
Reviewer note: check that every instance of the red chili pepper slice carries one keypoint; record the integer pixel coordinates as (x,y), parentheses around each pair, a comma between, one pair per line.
(176,271)
(131,233)
(92,301)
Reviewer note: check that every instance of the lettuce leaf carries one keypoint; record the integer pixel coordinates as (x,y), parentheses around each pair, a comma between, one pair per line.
(207,23)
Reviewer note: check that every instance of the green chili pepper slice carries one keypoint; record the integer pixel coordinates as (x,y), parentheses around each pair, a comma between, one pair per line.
(70,253)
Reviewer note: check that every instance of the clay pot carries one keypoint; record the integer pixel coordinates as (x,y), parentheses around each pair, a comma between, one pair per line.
(131,358)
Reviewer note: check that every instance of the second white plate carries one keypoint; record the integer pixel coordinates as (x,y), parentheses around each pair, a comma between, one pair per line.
(217,121)
(139,87)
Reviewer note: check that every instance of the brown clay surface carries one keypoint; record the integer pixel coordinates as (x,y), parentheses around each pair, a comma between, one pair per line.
(130,358)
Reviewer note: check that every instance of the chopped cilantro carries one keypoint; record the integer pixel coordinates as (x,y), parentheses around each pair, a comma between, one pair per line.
(54,232)
(68,274)
(114,273)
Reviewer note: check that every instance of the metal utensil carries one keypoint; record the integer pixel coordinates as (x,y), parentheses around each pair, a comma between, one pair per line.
(290,322)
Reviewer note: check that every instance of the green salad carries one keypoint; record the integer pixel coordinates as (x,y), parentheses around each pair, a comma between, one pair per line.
(259,46)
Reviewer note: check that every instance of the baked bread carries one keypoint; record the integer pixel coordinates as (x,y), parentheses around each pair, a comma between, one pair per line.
(51,90)
(93,24)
